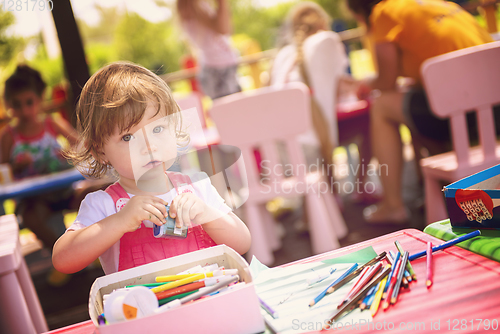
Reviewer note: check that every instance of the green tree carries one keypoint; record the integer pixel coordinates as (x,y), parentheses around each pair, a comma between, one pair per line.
(9,45)
(155,46)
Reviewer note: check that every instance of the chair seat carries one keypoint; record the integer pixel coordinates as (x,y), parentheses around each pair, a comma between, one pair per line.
(445,166)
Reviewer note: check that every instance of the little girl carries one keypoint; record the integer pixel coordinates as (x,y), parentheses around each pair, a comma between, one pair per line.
(129,122)
(208,30)
(29,144)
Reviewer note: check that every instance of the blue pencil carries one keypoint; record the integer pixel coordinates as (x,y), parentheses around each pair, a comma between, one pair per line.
(393,267)
(366,301)
(407,273)
(446,244)
(323,293)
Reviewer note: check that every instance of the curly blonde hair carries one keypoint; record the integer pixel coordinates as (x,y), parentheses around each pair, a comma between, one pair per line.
(116,97)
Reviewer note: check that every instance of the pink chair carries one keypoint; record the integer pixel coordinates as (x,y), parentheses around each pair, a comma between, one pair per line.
(193,100)
(260,118)
(20,309)
(457,82)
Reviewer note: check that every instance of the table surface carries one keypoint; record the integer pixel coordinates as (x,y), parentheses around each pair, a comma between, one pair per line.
(39,184)
(466,288)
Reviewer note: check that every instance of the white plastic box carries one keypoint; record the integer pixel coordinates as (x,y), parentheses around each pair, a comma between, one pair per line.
(233,312)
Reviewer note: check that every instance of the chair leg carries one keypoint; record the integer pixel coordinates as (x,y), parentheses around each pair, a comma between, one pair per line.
(260,246)
(435,207)
(335,215)
(323,234)
(270,226)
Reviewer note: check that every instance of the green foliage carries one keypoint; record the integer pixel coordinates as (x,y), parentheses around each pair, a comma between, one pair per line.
(9,45)
(51,69)
(263,24)
(98,55)
(155,46)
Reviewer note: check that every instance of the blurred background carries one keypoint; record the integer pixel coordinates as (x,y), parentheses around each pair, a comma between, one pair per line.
(147,32)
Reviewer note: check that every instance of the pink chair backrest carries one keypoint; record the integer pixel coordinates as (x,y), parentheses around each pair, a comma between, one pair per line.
(261,117)
(461,81)
(193,100)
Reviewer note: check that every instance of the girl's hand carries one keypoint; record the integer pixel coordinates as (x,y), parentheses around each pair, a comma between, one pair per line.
(140,208)
(188,208)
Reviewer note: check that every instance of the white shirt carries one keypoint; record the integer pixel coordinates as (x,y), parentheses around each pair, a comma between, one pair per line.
(98,205)
(326,61)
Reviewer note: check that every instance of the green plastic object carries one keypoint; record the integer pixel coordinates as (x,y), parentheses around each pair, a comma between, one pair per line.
(487,244)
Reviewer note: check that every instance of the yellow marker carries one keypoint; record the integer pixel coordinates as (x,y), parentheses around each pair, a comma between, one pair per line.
(195,277)
(378,297)
(170,278)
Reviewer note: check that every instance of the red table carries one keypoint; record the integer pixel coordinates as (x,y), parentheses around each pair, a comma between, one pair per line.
(466,289)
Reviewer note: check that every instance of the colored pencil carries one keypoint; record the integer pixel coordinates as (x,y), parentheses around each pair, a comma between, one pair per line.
(378,297)
(408,264)
(323,293)
(366,301)
(407,273)
(389,280)
(395,292)
(357,297)
(366,278)
(429,265)
(394,278)
(356,272)
(360,278)
(446,244)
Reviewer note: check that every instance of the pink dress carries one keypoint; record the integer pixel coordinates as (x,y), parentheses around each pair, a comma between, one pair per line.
(141,247)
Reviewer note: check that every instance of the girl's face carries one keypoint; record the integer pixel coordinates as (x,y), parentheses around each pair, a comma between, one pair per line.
(25,105)
(145,151)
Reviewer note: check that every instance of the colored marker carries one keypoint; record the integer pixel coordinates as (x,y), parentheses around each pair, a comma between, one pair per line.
(268,308)
(178,302)
(196,277)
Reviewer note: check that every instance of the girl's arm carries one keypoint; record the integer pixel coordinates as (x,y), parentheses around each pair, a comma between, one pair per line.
(388,62)
(231,231)
(6,143)
(223,228)
(220,22)
(62,127)
(77,249)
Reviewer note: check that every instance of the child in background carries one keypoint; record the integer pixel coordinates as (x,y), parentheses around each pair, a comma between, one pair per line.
(30,146)
(208,30)
(130,122)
